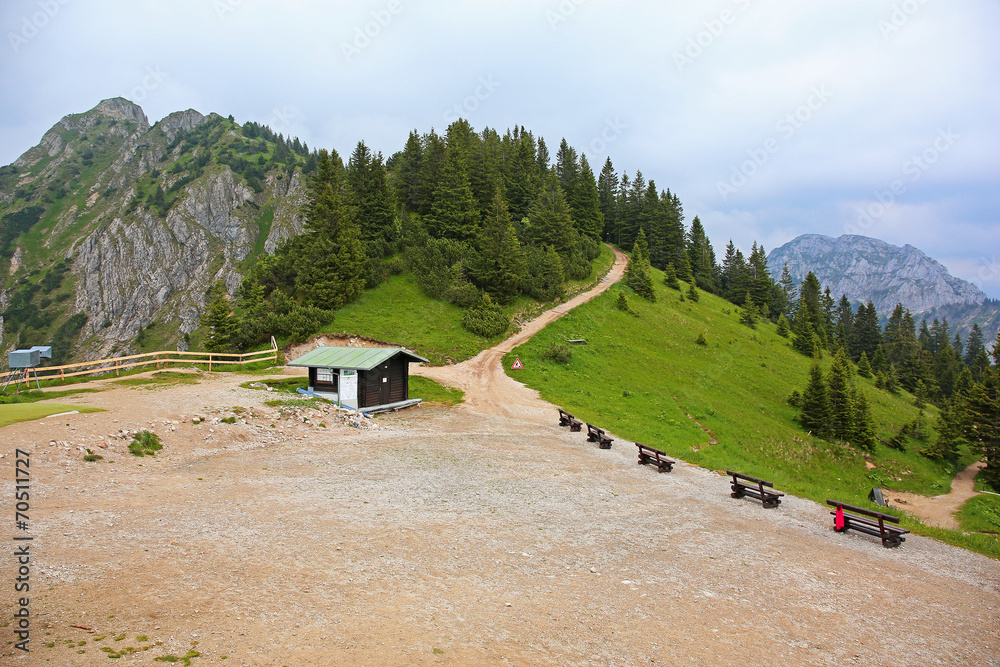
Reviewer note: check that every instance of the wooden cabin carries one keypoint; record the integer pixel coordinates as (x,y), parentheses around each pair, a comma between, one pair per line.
(359,377)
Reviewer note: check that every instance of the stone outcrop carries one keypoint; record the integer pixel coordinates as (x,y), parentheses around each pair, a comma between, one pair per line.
(867,269)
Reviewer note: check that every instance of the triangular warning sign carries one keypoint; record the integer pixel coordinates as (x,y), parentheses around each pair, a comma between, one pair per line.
(517,364)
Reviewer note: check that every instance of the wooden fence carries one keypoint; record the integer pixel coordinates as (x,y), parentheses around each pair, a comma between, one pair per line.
(161,359)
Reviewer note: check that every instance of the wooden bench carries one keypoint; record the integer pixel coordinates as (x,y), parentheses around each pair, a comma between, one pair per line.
(744,485)
(870,522)
(598,435)
(652,455)
(566,419)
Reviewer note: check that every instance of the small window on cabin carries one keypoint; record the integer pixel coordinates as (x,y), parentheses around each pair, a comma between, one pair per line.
(324,375)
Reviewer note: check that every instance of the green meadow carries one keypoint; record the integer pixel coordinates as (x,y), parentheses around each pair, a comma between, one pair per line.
(723,405)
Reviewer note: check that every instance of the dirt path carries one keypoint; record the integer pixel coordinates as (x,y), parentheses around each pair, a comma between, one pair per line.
(488,389)
(940,510)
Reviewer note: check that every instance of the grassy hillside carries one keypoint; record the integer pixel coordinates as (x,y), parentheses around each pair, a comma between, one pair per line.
(398,312)
(721,405)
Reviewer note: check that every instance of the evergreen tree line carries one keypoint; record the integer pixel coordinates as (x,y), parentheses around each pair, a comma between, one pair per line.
(928,362)
(478,218)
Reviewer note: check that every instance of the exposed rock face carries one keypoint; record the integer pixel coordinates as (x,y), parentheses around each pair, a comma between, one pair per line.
(149,218)
(867,269)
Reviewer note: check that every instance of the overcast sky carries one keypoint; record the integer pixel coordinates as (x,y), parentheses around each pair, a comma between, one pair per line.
(768,119)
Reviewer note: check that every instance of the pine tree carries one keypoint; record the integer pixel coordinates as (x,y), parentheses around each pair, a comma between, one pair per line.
(784,329)
(974,345)
(369,200)
(622,303)
(607,195)
(692,292)
(499,268)
(891,380)
(864,368)
(638,275)
(545,274)
(815,404)
(863,434)
(805,339)
(984,419)
(670,278)
(920,395)
(878,361)
(218,321)
(455,212)
(331,270)
(838,383)
(787,285)
(406,174)
(550,221)
(750,313)
(951,432)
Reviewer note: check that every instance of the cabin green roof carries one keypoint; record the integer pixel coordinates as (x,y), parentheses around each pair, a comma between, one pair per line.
(357,358)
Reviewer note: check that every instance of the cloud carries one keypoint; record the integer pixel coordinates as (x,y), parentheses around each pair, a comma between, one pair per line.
(334,73)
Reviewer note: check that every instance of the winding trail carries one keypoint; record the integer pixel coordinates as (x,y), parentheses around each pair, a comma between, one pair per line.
(488,389)
(940,510)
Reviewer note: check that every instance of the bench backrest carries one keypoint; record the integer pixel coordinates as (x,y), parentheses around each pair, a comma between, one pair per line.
(861,510)
(737,475)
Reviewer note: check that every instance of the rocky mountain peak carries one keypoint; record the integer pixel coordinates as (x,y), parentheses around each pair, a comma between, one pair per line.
(869,269)
(119,108)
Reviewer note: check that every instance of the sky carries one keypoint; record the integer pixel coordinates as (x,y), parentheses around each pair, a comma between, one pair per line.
(768,119)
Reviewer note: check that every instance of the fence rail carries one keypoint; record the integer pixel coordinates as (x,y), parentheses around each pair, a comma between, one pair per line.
(161,359)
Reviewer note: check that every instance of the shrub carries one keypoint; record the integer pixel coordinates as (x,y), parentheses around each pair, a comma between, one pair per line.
(559,354)
(485,319)
(701,339)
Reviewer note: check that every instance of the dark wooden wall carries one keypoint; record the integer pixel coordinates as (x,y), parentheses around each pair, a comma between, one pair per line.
(386,383)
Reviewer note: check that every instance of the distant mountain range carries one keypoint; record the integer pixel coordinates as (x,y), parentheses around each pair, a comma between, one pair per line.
(868,269)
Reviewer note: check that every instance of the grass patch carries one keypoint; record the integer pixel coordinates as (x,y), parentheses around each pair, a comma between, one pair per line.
(22,412)
(161,379)
(145,443)
(34,396)
(434,392)
(721,405)
(293,403)
(981,514)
